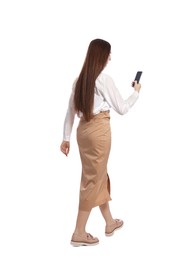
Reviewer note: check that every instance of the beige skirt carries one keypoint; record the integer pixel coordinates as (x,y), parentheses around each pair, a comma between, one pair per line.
(94,142)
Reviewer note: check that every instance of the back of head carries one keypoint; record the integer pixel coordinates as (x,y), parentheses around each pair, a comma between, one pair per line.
(95,61)
(97,55)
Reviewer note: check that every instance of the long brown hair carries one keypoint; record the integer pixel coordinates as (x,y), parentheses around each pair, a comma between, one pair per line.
(95,61)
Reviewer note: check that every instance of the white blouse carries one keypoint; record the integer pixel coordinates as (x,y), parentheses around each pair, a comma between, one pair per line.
(106,96)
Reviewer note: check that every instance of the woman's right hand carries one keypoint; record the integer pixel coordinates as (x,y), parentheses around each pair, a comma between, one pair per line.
(137,86)
(65,147)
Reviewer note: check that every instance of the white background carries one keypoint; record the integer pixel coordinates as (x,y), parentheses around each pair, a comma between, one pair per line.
(152,161)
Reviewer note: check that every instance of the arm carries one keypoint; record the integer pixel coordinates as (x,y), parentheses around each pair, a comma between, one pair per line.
(68,124)
(69,118)
(114,98)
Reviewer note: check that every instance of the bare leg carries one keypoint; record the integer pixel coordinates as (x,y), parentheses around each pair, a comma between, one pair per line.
(105,211)
(111,224)
(82,218)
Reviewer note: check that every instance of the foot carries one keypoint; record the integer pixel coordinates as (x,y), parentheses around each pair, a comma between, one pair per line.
(84,240)
(109,229)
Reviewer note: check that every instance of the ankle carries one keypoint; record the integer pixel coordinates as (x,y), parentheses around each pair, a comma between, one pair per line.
(80,232)
(110,222)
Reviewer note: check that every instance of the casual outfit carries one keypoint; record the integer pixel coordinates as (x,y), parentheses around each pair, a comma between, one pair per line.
(94,141)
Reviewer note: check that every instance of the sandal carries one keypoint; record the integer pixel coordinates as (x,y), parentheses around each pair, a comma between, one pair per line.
(109,230)
(84,240)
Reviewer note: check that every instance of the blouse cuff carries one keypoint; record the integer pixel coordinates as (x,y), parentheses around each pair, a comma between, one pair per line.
(66,138)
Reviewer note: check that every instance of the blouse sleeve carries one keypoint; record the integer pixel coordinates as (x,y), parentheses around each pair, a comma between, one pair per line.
(69,118)
(114,98)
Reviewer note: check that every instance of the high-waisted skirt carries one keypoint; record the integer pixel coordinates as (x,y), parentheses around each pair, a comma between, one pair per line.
(94,142)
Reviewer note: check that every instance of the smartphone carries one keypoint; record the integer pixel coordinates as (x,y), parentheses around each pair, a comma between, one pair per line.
(137,77)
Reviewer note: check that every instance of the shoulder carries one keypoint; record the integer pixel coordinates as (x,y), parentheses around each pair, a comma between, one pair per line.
(74,84)
(104,76)
(104,79)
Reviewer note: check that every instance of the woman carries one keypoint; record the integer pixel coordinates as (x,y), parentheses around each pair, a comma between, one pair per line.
(93,95)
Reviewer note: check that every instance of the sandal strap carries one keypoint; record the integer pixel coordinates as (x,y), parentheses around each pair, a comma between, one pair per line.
(90,236)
